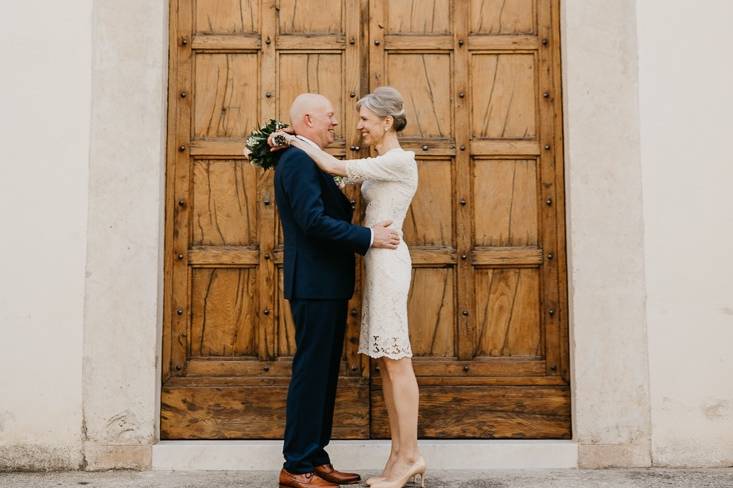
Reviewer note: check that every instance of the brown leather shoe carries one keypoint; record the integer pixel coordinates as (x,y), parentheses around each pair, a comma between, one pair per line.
(327,472)
(305,480)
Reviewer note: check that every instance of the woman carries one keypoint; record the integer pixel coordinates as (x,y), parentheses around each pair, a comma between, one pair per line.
(389,183)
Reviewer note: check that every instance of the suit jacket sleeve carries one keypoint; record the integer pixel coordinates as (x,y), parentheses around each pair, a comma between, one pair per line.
(301,182)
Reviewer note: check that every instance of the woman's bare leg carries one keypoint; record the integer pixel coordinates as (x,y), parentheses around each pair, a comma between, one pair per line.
(394,429)
(405,398)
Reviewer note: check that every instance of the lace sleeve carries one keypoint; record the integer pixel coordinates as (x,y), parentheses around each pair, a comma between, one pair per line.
(392,166)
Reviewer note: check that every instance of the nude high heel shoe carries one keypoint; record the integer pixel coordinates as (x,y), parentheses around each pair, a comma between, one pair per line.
(416,473)
(382,477)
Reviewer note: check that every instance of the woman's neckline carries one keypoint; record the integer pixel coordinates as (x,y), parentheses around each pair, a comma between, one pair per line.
(393,149)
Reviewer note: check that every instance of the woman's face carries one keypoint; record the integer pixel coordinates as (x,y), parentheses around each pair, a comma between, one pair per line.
(371,127)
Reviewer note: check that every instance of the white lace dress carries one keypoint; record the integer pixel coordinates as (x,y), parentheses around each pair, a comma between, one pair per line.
(389,183)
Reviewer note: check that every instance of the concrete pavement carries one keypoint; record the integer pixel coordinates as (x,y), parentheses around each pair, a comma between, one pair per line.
(615,478)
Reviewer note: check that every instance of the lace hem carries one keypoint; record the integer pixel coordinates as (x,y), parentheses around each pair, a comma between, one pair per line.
(391,347)
(377,355)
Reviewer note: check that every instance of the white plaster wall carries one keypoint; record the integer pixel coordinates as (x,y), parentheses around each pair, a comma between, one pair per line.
(124,257)
(610,382)
(686,125)
(45,97)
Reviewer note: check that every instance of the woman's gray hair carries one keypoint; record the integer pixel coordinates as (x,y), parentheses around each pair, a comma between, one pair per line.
(386,101)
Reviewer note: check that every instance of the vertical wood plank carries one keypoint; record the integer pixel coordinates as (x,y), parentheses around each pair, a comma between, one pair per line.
(550,311)
(266,276)
(559,164)
(376,43)
(180,303)
(464,272)
(170,194)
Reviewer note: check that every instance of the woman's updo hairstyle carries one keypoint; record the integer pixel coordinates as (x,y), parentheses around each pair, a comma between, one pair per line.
(386,101)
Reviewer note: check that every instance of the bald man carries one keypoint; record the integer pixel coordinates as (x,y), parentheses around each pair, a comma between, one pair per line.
(320,242)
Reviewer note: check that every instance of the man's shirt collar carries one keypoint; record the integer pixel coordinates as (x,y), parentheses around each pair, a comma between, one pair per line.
(303,138)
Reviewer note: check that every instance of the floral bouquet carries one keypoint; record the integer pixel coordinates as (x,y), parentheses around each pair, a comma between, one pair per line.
(257,149)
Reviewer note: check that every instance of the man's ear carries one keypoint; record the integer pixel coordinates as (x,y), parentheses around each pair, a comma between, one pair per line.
(308,120)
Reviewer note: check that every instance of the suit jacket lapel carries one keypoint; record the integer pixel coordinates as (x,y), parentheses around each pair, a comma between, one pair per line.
(342,198)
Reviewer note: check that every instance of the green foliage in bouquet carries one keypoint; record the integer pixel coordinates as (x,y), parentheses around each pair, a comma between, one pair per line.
(257,149)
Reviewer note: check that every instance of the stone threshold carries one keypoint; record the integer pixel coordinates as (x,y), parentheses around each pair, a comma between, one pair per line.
(368,455)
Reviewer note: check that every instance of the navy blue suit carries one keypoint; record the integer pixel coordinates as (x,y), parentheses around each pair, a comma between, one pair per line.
(320,243)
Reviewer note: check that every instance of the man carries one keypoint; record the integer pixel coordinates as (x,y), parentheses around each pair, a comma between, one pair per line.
(320,243)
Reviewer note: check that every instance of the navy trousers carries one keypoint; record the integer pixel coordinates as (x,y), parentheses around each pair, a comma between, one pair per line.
(319,337)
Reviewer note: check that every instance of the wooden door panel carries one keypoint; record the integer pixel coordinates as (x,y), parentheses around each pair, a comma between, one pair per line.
(226,16)
(429,220)
(431,312)
(427,97)
(225,85)
(223,194)
(507,313)
(503,17)
(485,412)
(419,17)
(503,96)
(505,194)
(236,408)
(311,16)
(223,308)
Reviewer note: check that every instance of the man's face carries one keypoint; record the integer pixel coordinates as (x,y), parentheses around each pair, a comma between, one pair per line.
(323,122)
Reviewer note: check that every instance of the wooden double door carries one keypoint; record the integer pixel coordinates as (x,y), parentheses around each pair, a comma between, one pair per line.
(487,307)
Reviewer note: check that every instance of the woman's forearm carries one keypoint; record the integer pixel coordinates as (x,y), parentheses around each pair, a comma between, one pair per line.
(325,161)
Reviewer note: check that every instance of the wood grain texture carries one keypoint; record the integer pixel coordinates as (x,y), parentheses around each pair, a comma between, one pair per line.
(412,42)
(431,312)
(219,43)
(252,412)
(485,412)
(504,101)
(419,16)
(550,15)
(179,185)
(315,42)
(223,312)
(427,97)
(224,256)
(507,313)
(224,85)
(505,191)
(464,205)
(429,220)
(226,16)
(224,203)
(312,16)
(507,257)
(502,17)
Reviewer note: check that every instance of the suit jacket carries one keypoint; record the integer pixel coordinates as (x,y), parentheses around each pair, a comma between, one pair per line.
(320,240)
